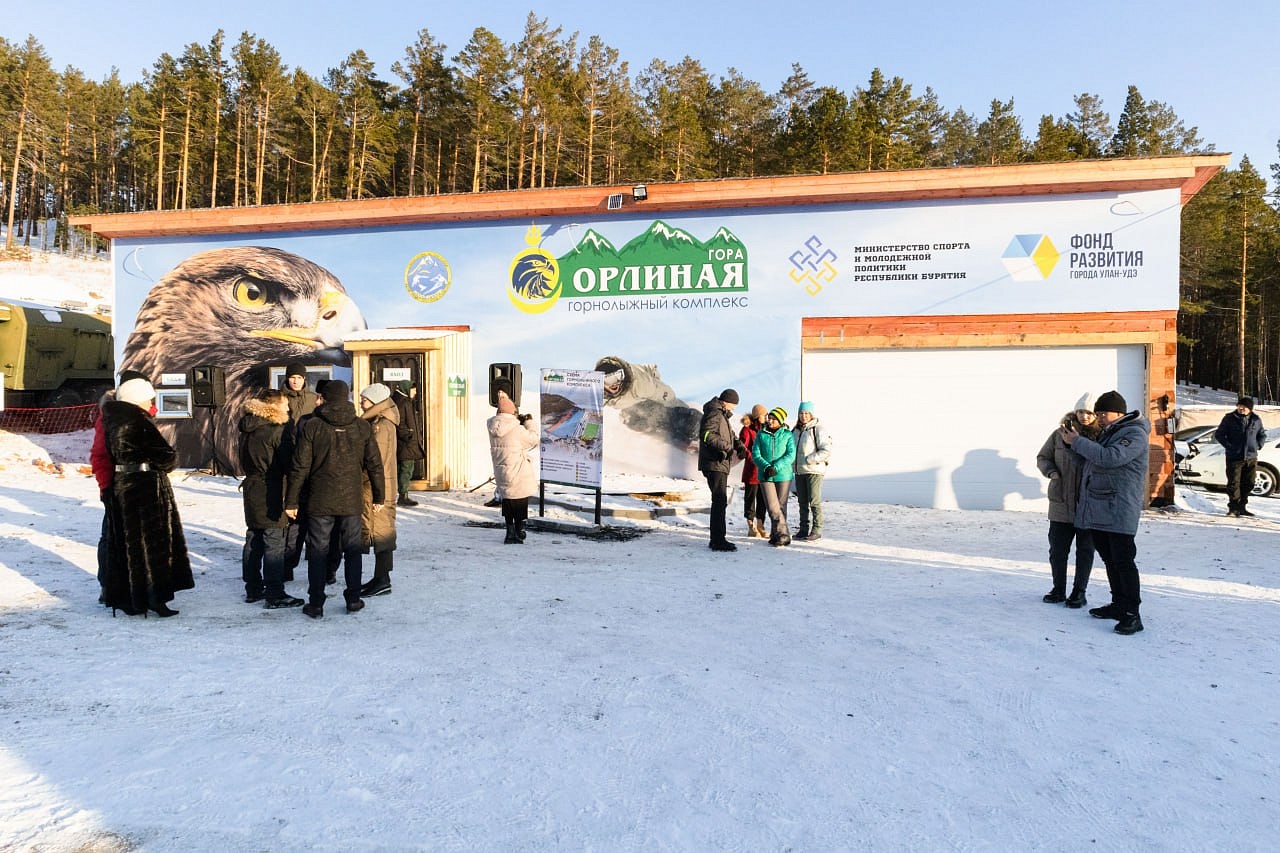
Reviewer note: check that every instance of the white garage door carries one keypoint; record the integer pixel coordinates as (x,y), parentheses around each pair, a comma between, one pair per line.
(955,428)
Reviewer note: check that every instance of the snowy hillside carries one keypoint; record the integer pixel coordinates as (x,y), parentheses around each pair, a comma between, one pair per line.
(896,686)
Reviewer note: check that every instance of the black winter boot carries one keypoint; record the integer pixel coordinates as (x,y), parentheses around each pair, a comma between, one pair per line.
(1076,600)
(520,530)
(512,537)
(1054,596)
(1130,623)
(380,583)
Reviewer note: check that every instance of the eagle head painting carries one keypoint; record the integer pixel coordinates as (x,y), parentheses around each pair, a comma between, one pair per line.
(244,309)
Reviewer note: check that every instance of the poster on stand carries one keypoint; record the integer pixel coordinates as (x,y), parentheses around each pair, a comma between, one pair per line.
(572,404)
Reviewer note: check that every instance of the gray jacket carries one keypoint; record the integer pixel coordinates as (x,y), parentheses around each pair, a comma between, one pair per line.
(1063,468)
(813,448)
(1113,485)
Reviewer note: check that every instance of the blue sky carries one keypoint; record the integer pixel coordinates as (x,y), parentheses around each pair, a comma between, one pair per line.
(1214,63)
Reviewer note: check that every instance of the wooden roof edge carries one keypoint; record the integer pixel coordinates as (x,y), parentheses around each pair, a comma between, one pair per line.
(1187,172)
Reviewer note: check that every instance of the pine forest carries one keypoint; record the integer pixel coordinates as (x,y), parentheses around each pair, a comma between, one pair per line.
(230,123)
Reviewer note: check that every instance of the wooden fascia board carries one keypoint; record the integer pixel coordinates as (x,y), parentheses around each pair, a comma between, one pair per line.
(1008,330)
(1187,173)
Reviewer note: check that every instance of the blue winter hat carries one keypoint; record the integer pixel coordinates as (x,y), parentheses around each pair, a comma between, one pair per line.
(806,406)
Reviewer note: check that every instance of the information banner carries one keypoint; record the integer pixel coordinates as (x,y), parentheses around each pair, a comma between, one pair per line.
(572,407)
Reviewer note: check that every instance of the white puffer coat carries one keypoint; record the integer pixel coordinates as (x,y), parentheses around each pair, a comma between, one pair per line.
(510,442)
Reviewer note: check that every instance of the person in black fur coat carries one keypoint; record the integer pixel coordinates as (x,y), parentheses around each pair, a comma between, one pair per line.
(147,554)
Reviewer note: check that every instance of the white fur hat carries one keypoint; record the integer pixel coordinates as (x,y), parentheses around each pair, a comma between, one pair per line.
(136,391)
(1086,403)
(376,393)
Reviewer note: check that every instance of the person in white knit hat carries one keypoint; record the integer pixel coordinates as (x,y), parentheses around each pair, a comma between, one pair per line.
(147,552)
(379,528)
(1056,461)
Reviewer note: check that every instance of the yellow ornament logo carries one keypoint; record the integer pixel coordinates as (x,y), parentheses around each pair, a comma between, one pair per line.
(535,276)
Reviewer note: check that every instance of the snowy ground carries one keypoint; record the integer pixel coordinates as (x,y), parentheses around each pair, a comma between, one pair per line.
(897,686)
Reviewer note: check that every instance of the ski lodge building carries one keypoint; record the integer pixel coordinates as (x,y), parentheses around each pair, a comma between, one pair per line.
(941,320)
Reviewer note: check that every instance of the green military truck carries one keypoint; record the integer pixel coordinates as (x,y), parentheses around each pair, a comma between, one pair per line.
(52,356)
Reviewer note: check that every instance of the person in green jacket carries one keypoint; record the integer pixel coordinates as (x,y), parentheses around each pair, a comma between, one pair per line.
(774,453)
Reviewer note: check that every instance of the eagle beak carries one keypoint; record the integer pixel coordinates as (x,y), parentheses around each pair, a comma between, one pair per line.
(338,316)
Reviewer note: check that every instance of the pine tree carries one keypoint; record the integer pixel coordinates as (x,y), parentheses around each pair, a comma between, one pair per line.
(1000,135)
(484,74)
(29,78)
(1092,126)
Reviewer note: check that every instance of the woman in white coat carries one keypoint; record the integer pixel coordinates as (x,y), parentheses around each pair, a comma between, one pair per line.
(511,437)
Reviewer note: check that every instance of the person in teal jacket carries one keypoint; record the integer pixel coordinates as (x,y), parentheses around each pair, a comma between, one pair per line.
(774,453)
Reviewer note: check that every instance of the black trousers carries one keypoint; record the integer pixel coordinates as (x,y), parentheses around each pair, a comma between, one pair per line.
(1061,534)
(322,530)
(718,483)
(753,503)
(262,561)
(1119,552)
(515,510)
(1240,476)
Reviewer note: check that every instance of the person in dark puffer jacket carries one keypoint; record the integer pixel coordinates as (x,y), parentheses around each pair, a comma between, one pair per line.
(335,450)
(266,453)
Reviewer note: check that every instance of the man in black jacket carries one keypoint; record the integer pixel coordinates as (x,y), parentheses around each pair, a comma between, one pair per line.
(717,445)
(409,447)
(1241,435)
(335,448)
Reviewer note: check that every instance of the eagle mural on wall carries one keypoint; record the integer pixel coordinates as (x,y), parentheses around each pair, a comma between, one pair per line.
(244,309)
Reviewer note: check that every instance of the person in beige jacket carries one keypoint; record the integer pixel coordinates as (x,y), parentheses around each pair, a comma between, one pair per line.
(511,437)
(379,528)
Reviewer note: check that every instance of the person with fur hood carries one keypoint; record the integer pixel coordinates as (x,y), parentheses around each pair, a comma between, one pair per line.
(266,452)
(1063,468)
(511,437)
(147,552)
(379,528)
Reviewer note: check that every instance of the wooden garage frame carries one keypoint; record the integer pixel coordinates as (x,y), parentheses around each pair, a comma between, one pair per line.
(1156,330)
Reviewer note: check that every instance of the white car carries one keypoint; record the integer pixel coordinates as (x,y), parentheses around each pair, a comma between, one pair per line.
(1206,465)
(1183,438)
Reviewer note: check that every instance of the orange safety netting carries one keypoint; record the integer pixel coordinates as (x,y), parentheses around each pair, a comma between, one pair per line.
(56,420)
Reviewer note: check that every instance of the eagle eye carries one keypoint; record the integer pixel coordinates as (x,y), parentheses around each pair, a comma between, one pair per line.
(251,293)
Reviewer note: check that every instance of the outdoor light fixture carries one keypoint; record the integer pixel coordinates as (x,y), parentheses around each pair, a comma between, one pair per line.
(639,192)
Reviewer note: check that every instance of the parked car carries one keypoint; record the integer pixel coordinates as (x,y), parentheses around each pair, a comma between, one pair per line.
(1183,438)
(1206,465)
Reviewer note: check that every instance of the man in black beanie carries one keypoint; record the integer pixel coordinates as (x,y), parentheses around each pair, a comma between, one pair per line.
(717,444)
(1113,491)
(301,400)
(1241,435)
(335,447)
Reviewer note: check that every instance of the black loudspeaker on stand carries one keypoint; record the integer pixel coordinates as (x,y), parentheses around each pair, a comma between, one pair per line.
(504,376)
(208,386)
(209,391)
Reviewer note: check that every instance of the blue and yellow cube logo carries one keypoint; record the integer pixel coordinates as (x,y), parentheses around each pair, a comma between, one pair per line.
(1030,257)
